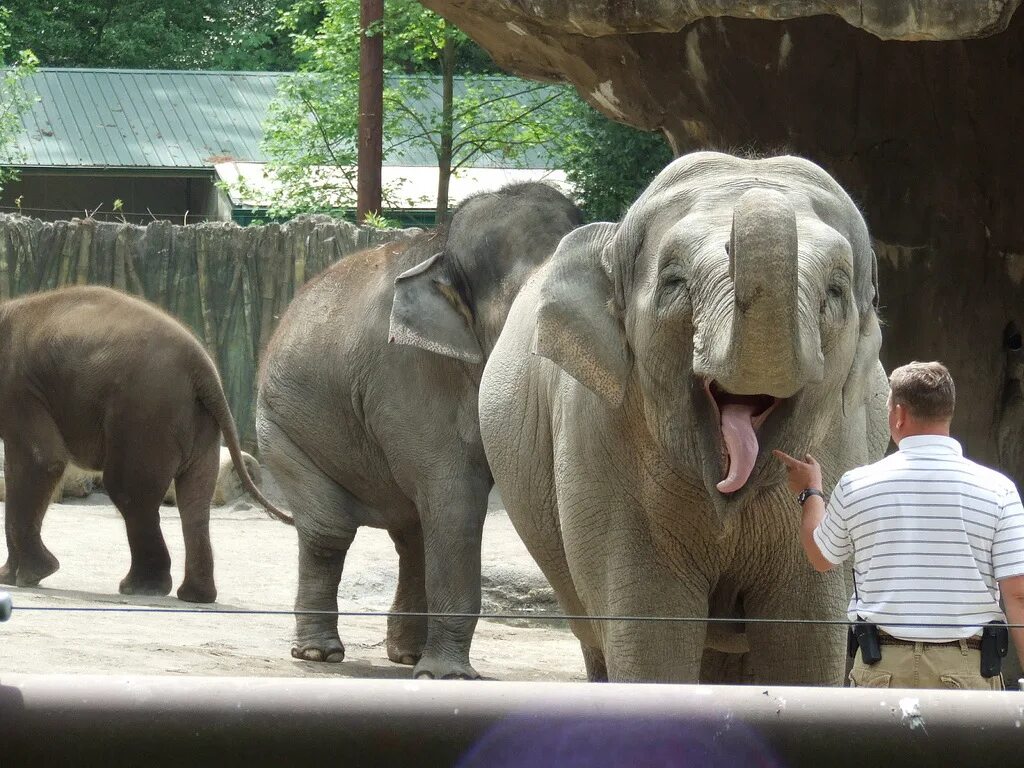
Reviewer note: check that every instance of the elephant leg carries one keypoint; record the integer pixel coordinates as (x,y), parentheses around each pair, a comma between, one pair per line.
(321,561)
(136,477)
(194,487)
(799,654)
(653,651)
(722,668)
(408,634)
(593,660)
(33,465)
(326,519)
(453,521)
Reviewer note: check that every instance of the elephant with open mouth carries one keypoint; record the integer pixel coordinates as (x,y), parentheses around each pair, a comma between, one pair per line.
(642,379)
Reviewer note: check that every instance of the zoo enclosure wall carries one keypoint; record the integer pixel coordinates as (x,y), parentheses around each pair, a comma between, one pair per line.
(229,284)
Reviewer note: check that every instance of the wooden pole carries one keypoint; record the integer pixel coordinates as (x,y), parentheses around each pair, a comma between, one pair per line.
(371,108)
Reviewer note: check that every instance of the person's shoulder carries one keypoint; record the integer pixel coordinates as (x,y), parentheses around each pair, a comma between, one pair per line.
(868,471)
(868,474)
(990,478)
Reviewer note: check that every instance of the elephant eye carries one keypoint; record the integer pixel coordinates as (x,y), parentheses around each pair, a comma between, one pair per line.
(672,285)
(833,306)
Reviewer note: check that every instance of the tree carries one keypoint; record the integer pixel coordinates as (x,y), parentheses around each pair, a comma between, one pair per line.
(311,128)
(608,164)
(14,100)
(156,34)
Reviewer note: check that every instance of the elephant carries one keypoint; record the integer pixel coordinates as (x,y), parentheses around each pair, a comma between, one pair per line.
(367,416)
(108,382)
(630,405)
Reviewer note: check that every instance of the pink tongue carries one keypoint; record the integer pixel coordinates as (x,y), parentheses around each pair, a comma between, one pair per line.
(740,442)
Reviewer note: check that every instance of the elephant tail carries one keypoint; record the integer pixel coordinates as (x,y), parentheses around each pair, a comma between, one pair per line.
(211,395)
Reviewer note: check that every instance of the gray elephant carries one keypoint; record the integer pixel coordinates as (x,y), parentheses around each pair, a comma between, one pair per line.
(358,431)
(732,311)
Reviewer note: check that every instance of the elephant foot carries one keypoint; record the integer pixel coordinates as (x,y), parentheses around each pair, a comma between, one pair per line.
(399,656)
(405,642)
(8,573)
(32,571)
(331,651)
(193,592)
(156,585)
(434,668)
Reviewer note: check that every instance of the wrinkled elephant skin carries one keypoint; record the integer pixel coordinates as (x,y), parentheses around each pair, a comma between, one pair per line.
(643,377)
(359,431)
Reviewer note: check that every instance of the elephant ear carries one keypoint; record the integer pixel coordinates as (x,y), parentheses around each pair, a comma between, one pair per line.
(429,312)
(865,359)
(578,327)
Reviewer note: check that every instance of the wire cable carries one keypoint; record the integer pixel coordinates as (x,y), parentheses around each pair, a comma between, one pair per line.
(542,616)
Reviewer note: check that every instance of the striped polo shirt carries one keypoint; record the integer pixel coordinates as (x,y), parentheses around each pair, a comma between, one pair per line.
(931,534)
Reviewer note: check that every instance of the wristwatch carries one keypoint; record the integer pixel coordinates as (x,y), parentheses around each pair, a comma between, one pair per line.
(806,493)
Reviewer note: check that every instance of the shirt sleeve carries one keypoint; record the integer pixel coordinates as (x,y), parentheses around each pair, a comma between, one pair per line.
(1008,540)
(832,536)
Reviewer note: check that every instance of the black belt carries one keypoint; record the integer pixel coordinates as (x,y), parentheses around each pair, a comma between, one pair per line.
(974,643)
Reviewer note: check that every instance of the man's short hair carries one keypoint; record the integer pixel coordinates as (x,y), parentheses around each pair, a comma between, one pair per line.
(925,389)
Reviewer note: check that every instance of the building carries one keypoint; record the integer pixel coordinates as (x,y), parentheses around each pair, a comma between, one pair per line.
(154,144)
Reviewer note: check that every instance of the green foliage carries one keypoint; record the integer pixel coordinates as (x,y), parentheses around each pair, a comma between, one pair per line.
(14,100)
(311,129)
(377,221)
(156,34)
(609,164)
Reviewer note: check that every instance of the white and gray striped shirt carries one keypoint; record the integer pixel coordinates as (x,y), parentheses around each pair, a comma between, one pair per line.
(931,534)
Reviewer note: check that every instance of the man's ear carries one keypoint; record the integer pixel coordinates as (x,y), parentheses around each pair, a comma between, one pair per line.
(429,312)
(578,325)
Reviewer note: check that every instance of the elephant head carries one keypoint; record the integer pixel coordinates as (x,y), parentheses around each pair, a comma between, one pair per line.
(734,306)
(455,302)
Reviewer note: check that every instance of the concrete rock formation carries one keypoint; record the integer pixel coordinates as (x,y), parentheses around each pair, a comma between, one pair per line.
(887,19)
(915,106)
(229,487)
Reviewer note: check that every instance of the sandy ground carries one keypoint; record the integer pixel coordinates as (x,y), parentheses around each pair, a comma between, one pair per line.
(256,561)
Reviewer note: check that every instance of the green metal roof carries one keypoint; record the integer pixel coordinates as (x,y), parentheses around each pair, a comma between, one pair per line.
(110,118)
(159,119)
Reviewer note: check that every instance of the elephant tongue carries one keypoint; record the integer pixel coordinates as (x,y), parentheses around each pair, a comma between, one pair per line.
(740,443)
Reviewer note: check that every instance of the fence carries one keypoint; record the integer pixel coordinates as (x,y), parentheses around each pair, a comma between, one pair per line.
(229,284)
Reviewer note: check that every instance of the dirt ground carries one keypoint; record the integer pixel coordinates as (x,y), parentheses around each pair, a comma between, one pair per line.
(256,561)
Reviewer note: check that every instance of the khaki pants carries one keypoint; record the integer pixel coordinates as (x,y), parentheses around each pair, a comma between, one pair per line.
(924,665)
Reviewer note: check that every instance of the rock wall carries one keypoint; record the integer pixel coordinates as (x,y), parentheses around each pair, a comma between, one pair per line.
(922,128)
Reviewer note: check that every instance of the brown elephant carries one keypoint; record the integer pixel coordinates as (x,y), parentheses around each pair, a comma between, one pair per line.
(108,382)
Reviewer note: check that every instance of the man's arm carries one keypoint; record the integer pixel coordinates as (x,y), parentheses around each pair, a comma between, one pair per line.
(1012,592)
(799,476)
(814,513)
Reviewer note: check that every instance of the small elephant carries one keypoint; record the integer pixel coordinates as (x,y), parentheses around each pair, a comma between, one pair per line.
(642,378)
(111,383)
(358,431)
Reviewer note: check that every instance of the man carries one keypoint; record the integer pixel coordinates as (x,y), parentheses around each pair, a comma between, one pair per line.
(932,534)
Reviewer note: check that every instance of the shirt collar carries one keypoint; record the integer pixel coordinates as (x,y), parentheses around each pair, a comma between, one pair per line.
(930,444)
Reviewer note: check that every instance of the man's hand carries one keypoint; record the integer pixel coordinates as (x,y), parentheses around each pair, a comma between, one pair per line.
(800,474)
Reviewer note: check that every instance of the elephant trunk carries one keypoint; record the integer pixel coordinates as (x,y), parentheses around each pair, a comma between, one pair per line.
(767,358)
(767,353)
